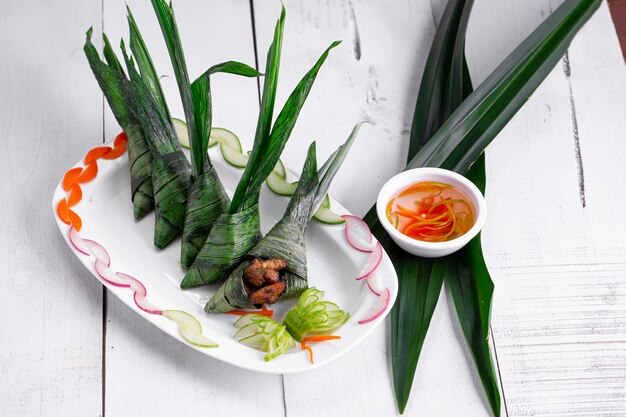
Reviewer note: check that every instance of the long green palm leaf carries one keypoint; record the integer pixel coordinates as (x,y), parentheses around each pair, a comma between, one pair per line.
(456,145)
(421,279)
(476,122)
(145,65)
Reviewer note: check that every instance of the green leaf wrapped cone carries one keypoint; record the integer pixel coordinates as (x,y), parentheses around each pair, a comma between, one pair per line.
(238,230)
(285,241)
(170,168)
(116,88)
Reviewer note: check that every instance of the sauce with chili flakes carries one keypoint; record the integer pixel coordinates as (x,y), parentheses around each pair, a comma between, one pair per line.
(431,212)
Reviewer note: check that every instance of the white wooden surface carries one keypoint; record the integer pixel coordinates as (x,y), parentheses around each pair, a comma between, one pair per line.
(559,319)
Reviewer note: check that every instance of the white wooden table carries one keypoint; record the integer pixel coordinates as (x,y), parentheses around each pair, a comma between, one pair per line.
(554,241)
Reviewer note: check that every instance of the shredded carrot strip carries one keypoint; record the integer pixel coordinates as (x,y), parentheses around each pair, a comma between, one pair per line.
(63,211)
(266,313)
(76,194)
(96,153)
(89,173)
(122,137)
(70,177)
(75,219)
(433,217)
(320,338)
(303,346)
(116,152)
(427,187)
(315,339)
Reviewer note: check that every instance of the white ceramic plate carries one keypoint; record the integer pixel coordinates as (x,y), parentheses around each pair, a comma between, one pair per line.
(106,212)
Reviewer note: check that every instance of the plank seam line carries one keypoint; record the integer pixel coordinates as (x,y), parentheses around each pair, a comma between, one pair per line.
(567,70)
(104,290)
(282,378)
(495,353)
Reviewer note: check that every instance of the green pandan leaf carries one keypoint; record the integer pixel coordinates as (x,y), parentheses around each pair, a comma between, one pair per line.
(449,134)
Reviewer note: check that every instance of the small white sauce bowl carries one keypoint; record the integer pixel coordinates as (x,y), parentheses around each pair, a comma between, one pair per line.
(412,176)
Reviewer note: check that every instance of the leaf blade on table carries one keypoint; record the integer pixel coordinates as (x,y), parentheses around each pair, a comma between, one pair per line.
(468,131)
(462,139)
(421,279)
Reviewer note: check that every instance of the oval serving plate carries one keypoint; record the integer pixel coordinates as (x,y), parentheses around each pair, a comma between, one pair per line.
(107,217)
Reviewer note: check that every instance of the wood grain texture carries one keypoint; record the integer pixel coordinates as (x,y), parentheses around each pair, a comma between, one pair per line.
(559,315)
(51,310)
(148,373)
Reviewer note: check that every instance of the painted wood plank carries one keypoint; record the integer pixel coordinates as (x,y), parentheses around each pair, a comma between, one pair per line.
(559,314)
(51,327)
(373,75)
(148,373)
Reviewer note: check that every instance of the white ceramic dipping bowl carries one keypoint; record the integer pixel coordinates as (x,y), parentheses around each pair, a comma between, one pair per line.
(412,176)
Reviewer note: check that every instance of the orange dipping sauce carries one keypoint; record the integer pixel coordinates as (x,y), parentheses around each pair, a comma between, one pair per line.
(431,212)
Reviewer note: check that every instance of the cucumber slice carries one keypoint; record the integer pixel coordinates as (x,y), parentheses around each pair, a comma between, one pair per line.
(263,333)
(233,156)
(226,137)
(279,186)
(279,170)
(197,339)
(189,327)
(256,341)
(326,202)
(181,131)
(326,216)
(183,135)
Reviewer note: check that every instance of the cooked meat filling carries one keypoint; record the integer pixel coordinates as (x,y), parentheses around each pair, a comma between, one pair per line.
(273,263)
(254,276)
(268,294)
(263,280)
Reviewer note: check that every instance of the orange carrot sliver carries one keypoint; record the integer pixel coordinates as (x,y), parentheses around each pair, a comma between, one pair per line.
(96,153)
(89,173)
(76,194)
(122,137)
(63,211)
(319,338)
(76,220)
(303,346)
(267,313)
(70,177)
(115,152)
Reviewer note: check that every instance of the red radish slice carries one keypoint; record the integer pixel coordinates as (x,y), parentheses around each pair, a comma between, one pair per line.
(140,294)
(358,234)
(108,275)
(98,251)
(373,261)
(379,308)
(78,242)
(373,283)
